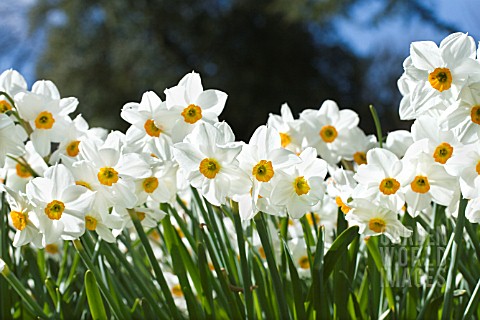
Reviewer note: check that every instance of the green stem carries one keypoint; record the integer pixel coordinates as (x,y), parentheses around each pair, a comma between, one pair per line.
(154,263)
(272,266)
(378,126)
(116,311)
(452,271)
(246,277)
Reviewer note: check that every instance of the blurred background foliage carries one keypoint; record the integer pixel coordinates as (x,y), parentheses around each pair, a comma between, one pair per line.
(262,53)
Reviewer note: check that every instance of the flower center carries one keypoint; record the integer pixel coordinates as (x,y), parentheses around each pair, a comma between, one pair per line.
(107,176)
(440,79)
(54,209)
(150,184)
(209,168)
(19,220)
(22,171)
(44,120)
(304,262)
(301,186)
(377,225)
(328,134)
(477,167)
(152,129)
(443,152)
(263,171)
(83,184)
(177,291)
(90,223)
(52,248)
(360,158)
(72,148)
(389,186)
(140,215)
(5,106)
(342,205)
(420,184)
(475,114)
(285,139)
(192,114)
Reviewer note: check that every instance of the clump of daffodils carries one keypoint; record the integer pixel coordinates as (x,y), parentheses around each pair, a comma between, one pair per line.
(62,179)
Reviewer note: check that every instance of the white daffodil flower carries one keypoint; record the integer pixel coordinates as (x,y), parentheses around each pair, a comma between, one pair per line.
(192,105)
(382,178)
(68,148)
(115,171)
(359,144)
(375,219)
(463,116)
(46,113)
(210,163)
(340,186)
(262,159)
(288,128)
(301,188)
(150,119)
(430,181)
(438,73)
(60,204)
(11,139)
(327,130)
(398,142)
(442,145)
(465,165)
(11,82)
(23,219)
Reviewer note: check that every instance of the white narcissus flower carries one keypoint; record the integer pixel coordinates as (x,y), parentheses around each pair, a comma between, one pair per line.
(46,113)
(192,105)
(358,146)
(11,138)
(288,128)
(262,159)
(327,130)
(465,165)
(430,181)
(472,212)
(375,219)
(441,145)
(150,119)
(69,147)
(398,142)
(381,178)
(302,187)
(18,174)
(300,258)
(148,214)
(438,73)
(103,224)
(463,116)
(11,82)
(23,219)
(340,187)
(115,170)
(60,204)
(208,156)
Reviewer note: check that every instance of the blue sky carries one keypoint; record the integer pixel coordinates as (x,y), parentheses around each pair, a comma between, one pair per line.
(21,48)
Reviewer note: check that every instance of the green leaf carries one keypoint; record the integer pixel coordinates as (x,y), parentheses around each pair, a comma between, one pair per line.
(297,288)
(375,254)
(272,265)
(338,249)
(95,303)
